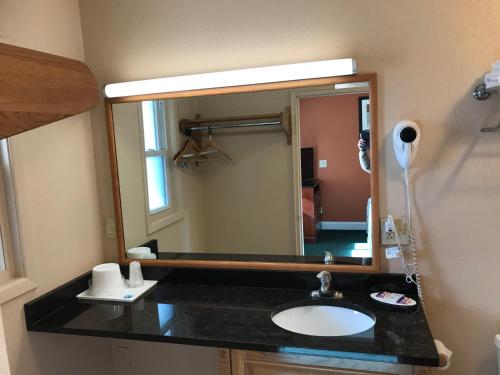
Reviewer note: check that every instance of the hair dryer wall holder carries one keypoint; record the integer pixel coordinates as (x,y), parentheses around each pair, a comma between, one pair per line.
(481,92)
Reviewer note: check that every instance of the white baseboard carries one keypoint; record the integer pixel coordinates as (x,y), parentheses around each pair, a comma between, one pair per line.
(343,225)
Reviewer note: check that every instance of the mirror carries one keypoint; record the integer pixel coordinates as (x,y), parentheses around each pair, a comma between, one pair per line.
(279,178)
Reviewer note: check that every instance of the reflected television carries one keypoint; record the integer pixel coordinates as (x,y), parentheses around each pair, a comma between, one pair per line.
(307,164)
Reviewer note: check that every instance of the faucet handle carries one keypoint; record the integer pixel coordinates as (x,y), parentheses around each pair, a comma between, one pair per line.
(329,258)
(324,274)
(326,290)
(326,279)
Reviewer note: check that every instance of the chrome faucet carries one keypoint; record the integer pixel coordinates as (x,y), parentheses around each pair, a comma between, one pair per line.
(329,258)
(326,290)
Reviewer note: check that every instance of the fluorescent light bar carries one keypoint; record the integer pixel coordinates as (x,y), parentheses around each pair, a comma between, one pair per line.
(352,85)
(240,77)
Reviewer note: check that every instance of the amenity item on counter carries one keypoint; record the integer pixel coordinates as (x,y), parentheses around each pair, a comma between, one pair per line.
(108,284)
(140,253)
(106,278)
(444,355)
(135,279)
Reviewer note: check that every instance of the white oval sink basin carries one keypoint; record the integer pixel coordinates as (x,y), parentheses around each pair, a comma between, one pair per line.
(318,320)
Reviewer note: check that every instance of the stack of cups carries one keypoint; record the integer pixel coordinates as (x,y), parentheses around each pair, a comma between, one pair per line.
(140,253)
(135,279)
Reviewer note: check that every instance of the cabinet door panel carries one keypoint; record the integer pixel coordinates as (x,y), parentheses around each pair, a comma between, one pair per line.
(224,362)
(270,368)
(258,363)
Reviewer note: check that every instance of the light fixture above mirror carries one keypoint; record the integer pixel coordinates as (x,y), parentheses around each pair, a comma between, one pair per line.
(231,78)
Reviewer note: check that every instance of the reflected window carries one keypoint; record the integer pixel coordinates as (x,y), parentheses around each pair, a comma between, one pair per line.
(156,152)
(166,314)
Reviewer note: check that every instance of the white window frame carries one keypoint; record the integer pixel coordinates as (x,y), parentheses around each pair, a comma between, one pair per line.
(7,265)
(13,281)
(164,216)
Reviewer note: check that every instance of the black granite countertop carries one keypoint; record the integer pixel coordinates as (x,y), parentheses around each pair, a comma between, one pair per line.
(233,309)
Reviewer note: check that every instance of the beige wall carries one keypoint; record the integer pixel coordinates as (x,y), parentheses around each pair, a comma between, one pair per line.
(57,200)
(428,55)
(185,235)
(248,202)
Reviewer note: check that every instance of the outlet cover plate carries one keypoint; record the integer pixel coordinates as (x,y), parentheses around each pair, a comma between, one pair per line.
(402,228)
(109,227)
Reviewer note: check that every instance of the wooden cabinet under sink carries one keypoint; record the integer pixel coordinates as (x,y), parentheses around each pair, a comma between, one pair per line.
(245,362)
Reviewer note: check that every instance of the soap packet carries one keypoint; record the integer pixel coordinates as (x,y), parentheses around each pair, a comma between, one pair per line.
(394,299)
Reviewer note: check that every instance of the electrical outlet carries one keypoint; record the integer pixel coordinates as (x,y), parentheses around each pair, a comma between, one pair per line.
(109,227)
(389,234)
(323,163)
(389,237)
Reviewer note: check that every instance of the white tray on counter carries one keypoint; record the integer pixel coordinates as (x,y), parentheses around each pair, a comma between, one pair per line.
(121,295)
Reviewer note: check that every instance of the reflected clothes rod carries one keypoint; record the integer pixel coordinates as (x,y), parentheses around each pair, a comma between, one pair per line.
(227,126)
(283,119)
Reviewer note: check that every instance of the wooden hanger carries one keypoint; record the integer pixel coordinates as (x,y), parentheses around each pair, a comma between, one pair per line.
(189,154)
(211,148)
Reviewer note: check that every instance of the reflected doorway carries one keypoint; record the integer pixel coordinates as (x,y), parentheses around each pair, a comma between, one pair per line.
(335,191)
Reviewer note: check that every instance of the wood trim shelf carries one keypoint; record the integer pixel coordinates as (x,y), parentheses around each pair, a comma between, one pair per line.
(38,88)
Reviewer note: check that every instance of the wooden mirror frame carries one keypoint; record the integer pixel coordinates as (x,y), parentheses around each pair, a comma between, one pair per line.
(371,78)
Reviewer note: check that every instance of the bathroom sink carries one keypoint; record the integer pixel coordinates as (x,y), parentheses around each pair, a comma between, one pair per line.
(321,320)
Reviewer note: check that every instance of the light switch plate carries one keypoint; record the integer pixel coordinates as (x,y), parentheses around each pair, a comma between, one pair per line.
(323,163)
(390,239)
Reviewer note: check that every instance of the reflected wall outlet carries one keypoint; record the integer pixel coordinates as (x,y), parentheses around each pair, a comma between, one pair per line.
(389,238)
(109,227)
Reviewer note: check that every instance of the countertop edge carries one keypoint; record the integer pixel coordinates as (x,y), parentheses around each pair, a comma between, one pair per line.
(393,359)
(47,304)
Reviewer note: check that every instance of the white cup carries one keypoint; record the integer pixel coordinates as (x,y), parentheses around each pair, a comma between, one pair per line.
(140,253)
(135,279)
(106,279)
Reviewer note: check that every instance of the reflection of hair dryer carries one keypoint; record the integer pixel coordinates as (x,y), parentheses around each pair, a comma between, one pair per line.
(405,139)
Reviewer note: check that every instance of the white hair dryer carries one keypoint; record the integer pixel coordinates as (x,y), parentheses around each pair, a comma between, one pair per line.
(405,139)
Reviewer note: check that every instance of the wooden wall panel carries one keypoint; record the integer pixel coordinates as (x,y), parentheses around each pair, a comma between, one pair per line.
(38,88)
